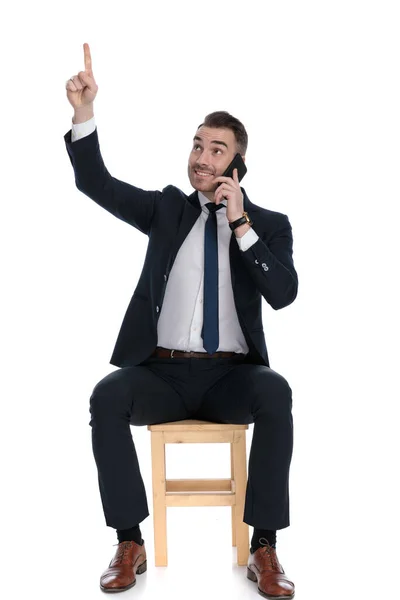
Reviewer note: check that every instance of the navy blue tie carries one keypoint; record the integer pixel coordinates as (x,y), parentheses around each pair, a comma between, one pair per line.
(210,333)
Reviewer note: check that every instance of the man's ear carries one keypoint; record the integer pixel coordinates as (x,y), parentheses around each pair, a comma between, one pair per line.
(244,157)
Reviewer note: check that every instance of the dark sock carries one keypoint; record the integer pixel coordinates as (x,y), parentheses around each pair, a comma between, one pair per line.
(269,534)
(133,533)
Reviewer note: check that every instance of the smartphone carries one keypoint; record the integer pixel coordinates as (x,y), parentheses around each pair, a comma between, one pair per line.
(237,163)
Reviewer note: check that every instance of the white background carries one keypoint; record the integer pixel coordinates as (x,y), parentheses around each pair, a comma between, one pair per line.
(316,85)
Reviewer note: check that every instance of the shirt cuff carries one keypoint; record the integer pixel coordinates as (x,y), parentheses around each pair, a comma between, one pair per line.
(80,130)
(247,240)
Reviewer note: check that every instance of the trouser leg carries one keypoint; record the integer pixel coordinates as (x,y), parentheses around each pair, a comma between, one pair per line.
(131,395)
(267,492)
(257,394)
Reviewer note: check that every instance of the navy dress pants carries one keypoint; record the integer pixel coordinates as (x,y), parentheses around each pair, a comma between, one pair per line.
(223,390)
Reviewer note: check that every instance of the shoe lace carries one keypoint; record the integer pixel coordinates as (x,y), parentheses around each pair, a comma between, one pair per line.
(269,552)
(122,551)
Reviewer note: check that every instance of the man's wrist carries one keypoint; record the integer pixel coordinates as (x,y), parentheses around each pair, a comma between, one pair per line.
(241,230)
(83,114)
(239,216)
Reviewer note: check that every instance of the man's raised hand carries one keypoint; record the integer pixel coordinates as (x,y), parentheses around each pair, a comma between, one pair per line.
(82,88)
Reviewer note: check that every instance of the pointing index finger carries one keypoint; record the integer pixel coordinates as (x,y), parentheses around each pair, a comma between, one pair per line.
(88,58)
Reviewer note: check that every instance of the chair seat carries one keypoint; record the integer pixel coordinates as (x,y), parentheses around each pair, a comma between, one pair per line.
(195,425)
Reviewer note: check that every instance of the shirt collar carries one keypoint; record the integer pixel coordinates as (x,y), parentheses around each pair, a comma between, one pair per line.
(203,200)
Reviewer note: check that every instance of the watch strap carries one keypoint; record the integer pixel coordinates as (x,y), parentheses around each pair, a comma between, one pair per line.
(244,219)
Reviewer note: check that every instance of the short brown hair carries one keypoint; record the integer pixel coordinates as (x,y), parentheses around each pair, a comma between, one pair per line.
(221,118)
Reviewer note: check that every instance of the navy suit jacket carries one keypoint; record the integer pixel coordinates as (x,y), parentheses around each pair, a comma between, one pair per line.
(265,270)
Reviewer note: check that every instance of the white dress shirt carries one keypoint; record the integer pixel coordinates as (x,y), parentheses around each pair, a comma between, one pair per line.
(181,319)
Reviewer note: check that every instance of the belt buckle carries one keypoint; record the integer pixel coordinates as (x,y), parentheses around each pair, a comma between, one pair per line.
(172,354)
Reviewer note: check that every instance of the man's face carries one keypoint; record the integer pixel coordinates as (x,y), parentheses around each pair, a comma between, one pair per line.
(212,151)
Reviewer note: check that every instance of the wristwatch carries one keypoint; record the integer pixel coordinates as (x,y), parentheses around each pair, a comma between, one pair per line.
(244,219)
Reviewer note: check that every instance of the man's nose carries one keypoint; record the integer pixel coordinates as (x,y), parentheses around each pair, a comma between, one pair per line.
(203,159)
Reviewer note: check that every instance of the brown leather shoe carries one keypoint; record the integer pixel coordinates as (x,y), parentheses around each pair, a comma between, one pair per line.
(263,566)
(129,559)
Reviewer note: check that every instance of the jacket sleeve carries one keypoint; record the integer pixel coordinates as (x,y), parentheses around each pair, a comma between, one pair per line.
(123,200)
(271,266)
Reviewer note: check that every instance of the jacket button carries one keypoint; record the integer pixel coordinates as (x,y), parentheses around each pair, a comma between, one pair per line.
(157,308)
(256,261)
(265,267)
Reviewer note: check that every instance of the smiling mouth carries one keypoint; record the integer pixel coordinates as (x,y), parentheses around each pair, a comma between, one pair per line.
(203,174)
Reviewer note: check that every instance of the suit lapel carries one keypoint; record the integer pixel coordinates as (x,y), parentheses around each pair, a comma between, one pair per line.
(190,214)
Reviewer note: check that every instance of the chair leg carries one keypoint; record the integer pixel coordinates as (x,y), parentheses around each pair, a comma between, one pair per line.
(159,506)
(240,470)
(233,507)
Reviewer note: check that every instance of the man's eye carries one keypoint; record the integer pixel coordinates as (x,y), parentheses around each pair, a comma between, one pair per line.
(198,146)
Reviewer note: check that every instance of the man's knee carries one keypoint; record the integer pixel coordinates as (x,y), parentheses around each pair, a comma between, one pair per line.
(111,396)
(274,394)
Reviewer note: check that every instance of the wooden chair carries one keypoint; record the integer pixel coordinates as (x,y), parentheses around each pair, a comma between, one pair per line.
(199,492)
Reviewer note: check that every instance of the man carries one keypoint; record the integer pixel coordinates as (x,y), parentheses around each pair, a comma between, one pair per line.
(191,345)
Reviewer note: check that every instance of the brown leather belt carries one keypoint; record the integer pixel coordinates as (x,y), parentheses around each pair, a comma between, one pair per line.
(167,353)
